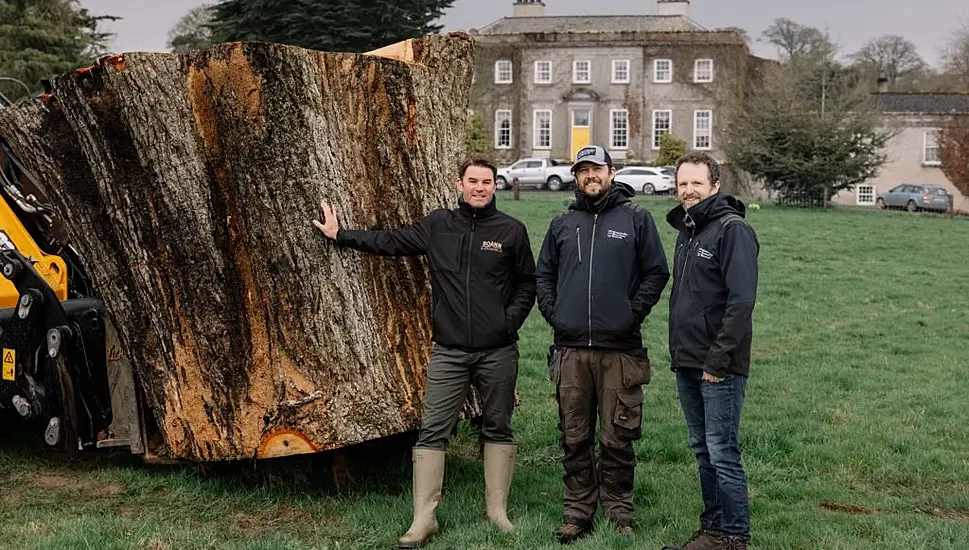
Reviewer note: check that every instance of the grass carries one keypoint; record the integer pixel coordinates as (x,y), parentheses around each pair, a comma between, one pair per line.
(854,431)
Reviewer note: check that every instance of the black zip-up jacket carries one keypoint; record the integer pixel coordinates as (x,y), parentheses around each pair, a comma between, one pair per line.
(600,272)
(714,286)
(482,271)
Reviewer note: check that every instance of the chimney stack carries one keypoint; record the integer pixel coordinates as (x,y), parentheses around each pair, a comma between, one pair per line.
(529,8)
(673,7)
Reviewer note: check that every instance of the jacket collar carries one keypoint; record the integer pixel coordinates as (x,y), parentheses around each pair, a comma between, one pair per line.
(617,194)
(469,211)
(710,209)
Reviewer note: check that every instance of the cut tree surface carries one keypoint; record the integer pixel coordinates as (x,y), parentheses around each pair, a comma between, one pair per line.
(189,182)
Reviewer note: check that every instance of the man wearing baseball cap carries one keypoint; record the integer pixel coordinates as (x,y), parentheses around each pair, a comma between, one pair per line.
(601,270)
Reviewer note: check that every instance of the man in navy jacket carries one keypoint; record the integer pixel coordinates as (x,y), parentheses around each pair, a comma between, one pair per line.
(711,328)
(600,272)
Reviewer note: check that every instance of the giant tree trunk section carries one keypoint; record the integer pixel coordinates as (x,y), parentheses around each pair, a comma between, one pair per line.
(189,182)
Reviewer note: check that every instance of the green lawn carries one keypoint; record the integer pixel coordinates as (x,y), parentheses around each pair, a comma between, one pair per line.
(854,432)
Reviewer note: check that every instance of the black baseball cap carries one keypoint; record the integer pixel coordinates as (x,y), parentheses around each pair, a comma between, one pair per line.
(593,154)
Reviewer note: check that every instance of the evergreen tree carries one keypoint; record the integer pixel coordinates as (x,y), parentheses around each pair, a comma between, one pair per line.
(476,139)
(804,142)
(43,38)
(671,148)
(327,25)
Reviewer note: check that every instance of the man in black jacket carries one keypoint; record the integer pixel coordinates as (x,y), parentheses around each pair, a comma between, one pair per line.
(601,270)
(482,289)
(711,308)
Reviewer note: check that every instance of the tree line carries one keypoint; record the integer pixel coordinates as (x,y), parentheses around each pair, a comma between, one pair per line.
(43,38)
(325,25)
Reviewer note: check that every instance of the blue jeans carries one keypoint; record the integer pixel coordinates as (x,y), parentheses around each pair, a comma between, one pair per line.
(712,412)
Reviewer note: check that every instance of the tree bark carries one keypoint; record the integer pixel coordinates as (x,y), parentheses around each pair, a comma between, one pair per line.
(189,182)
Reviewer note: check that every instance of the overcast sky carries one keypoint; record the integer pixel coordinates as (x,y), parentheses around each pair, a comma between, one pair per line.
(851,22)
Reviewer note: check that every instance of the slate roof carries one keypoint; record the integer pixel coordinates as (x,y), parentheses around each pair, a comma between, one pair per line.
(927,103)
(591,24)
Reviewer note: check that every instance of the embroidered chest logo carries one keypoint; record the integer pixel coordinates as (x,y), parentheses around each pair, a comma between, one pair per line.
(616,234)
(491,246)
(704,253)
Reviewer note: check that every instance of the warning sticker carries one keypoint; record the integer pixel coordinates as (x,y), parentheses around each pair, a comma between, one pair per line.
(9,364)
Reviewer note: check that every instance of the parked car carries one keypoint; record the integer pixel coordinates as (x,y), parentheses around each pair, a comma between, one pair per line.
(647,179)
(914,197)
(541,173)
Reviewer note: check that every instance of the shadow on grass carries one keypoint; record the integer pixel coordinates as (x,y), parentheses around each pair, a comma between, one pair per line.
(381,466)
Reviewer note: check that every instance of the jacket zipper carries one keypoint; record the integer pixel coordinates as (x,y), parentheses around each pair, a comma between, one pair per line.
(685,251)
(467,283)
(578,244)
(592,252)
(687,246)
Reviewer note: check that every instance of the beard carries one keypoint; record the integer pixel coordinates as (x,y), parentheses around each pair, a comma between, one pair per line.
(691,200)
(594,187)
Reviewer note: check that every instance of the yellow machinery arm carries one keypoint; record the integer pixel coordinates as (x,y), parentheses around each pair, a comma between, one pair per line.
(63,369)
(14,236)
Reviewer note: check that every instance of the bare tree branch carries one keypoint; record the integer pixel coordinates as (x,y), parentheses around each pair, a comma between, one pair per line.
(890,55)
(798,42)
(955,55)
(192,31)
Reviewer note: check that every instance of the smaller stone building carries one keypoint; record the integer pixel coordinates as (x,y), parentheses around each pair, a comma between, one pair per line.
(913,155)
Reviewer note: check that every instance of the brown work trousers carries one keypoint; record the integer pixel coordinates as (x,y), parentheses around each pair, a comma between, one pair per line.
(607,384)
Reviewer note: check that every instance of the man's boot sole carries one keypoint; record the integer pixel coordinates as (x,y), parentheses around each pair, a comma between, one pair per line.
(412,545)
(571,539)
(420,543)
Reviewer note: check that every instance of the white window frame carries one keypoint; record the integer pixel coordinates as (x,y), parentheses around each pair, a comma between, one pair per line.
(575,72)
(498,120)
(696,70)
(925,148)
(537,79)
(498,71)
(612,130)
(536,133)
(615,66)
(656,71)
(656,142)
(858,200)
(698,132)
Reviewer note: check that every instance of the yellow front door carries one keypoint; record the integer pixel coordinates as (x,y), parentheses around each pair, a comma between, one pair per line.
(581,130)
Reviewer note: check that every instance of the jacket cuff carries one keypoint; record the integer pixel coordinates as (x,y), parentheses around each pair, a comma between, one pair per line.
(717,364)
(640,316)
(546,312)
(511,321)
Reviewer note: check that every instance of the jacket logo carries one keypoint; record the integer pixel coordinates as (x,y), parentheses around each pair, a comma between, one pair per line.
(491,246)
(616,234)
(703,253)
